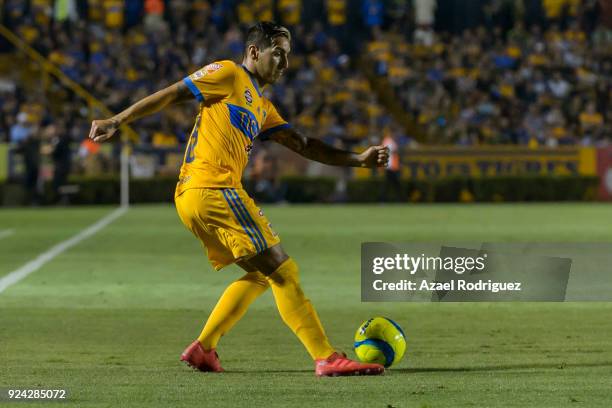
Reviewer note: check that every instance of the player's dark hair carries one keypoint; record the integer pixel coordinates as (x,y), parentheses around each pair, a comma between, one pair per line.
(262,34)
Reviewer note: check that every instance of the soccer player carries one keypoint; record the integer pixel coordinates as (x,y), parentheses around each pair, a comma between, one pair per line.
(212,204)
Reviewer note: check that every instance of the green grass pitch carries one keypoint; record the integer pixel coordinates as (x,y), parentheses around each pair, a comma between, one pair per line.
(108,318)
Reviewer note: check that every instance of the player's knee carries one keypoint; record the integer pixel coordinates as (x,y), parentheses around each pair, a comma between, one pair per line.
(270,260)
(287,274)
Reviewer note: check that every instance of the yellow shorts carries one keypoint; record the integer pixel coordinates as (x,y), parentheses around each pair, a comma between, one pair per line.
(227,222)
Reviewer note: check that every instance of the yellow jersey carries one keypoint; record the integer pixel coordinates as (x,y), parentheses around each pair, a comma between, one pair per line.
(232,113)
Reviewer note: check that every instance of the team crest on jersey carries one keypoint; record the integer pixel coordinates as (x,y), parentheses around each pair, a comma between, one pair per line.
(209,69)
(248,149)
(248,97)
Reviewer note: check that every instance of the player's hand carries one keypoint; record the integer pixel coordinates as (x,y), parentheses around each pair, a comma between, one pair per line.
(102,130)
(375,156)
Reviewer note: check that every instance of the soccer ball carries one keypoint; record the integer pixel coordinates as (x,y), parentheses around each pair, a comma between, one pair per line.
(380,340)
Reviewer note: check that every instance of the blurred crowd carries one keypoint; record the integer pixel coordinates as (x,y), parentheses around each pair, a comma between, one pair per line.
(499,76)
(122,51)
(547,84)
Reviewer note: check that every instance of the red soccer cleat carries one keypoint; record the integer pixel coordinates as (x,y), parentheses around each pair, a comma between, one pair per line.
(196,357)
(337,364)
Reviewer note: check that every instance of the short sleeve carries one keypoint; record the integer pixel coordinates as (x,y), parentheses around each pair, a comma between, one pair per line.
(273,121)
(214,81)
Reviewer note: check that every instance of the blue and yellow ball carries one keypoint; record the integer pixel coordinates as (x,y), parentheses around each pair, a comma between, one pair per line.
(380,340)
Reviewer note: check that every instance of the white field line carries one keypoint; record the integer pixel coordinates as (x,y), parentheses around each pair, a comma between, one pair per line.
(6,233)
(35,264)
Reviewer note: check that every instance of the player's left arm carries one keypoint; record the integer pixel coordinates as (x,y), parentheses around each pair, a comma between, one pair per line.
(314,149)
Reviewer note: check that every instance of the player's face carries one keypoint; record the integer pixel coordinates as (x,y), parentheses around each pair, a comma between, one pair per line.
(273,61)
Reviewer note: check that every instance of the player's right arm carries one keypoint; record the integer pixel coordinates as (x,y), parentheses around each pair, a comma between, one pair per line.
(213,82)
(314,149)
(104,129)
(275,128)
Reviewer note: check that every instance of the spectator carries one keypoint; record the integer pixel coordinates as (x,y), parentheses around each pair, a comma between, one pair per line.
(154,13)
(61,155)
(559,87)
(290,12)
(267,186)
(26,142)
(372,13)
(21,130)
(336,12)
(590,120)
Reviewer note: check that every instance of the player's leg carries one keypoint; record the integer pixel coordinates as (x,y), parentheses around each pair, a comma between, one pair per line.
(295,309)
(230,308)
(232,305)
(200,210)
(247,234)
(298,313)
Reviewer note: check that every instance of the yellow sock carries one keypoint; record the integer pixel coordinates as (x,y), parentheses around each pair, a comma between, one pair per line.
(232,305)
(297,311)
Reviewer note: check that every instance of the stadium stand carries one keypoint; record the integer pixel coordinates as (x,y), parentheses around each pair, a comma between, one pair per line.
(519,73)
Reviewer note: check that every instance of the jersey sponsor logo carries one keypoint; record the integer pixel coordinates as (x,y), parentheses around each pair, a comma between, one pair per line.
(244,120)
(248,97)
(209,69)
